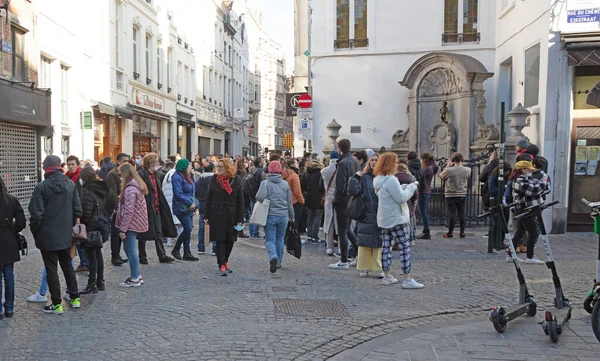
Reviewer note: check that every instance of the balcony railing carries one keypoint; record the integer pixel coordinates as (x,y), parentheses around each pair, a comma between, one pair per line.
(351,43)
(457,38)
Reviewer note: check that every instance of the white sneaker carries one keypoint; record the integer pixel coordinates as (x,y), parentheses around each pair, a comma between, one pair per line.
(389,280)
(353,263)
(411,284)
(303,240)
(66,296)
(37,298)
(364,274)
(380,275)
(534,260)
(170,242)
(339,265)
(329,252)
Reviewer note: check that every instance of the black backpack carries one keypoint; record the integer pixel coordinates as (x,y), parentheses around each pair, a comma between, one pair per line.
(249,185)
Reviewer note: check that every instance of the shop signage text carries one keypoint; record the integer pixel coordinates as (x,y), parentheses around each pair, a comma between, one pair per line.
(147,100)
(6,47)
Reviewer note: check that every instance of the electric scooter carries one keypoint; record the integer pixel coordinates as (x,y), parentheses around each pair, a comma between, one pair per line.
(500,317)
(591,303)
(550,324)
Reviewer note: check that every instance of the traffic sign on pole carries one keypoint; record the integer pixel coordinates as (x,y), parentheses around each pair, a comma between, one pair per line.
(305,101)
(304,113)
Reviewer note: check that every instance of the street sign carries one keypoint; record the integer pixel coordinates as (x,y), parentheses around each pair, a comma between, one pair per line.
(305,101)
(304,113)
(304,129)
(307,53)
(291,103)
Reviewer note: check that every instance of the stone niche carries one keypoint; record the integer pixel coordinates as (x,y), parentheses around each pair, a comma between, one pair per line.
(446,106)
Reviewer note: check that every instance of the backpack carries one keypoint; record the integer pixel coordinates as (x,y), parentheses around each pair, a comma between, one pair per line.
(249,185)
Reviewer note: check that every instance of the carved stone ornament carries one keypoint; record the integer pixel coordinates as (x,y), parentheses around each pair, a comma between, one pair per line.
(443,139)
(399,137)
(136,22)
(159,38)
(439,81)
(149,30)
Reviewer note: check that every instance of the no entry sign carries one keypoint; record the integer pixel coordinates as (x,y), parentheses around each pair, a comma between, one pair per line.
(305,101)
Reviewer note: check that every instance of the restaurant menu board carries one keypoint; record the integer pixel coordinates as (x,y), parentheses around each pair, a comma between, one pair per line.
(586,160)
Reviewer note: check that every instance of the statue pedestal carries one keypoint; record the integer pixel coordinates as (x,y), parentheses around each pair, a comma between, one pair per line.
(400,143)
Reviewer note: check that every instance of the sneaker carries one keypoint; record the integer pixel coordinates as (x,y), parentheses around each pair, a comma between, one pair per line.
(54,309)
(364,274)
(227,269)
(534,260)
(131,283)
(213,253)
(222,270)
(339,265)
(411,284)
(37,298)
(389,280)
(170,243)
(380,275)
(424,236)
(273,264)
(76,303)
(448,235)
(141,279)
(462,235)
(303,240)
(353,263)
(316,240)
(81,268)
(329,252)
(201,253)
(66,296)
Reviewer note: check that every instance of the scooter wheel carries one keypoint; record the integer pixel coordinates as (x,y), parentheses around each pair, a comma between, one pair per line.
(553,331)
(532,309)
(596,320)
(498,319)
(588,305)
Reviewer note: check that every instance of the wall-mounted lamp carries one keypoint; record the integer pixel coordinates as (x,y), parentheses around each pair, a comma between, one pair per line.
(5,4)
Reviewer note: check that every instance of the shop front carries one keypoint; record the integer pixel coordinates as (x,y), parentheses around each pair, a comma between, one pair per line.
(24,122)
(108,130)
(186,128)
(150,122)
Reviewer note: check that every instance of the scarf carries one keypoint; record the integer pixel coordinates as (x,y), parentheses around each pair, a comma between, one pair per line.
(53,170)
(224,183)
(74,176)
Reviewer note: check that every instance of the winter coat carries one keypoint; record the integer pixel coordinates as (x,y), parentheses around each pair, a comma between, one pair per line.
(258,173)
(327,173)
(223,211)
(414,166)
(407,178)
(12,221)
(347,166)
(132,214)
(182,193)
(368,232)
(279,194)
(162,173)
(95,203)
(166,216)
(114,181)
(54,209)
(292,178)
(106,168)
(429,172)
(202,189)
(312,183)
(392,209)
(167,187)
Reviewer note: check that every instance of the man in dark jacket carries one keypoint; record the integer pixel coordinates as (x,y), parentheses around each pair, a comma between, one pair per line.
(312,183)
(114,183)
(160,218)
(257,174)
(415,168)
(201,190)
(55,208)
(107,166)
(347,166)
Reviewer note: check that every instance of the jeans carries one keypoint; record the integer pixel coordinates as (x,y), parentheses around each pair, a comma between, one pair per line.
(314,222)
(201,228)
(275,237)
(184,238)
(115,240)
(96,270)
(456,204)
(424,207)
(51,261)
(7,273)
(129,246)
(44,285)
(254,230)
(82,256)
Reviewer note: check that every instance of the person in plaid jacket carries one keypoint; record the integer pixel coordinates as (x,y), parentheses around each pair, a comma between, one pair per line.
(527,191)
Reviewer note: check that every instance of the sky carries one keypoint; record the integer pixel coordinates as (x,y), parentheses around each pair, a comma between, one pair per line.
(278,21)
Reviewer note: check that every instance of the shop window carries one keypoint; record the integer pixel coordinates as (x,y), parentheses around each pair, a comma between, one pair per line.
(461,26)
(532,76)
(18,57)
(44,73)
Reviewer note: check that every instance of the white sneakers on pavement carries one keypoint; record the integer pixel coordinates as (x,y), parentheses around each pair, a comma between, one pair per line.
(339,265)
(389,280)
(329,252)
(37,298)
(534,260)
(411,284)
(364,274)
(354,263)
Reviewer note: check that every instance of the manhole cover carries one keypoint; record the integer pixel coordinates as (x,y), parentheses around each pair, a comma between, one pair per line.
(284,289)
(309,308)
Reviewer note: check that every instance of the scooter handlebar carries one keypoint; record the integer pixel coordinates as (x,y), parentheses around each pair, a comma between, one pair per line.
(544,206)
(486,214)
(523,215)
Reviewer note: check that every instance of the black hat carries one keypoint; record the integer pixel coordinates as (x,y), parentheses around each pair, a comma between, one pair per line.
(51,161)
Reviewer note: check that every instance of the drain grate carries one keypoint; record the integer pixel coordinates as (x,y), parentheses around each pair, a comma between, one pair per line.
(284,289)
(310,308)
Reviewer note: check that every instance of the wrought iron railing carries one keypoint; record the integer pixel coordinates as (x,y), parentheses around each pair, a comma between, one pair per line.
(450,38)
(351,43)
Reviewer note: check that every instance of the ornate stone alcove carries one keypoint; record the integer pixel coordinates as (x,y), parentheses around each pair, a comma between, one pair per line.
(446,105)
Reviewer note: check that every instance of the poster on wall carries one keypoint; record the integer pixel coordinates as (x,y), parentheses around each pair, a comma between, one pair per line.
(581,153)
(583,11)
(580,167)
(591,167)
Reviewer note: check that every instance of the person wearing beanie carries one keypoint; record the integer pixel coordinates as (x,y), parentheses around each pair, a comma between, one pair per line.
(522,152)
(54,209)
(281,211)
(184,207)
(329,225)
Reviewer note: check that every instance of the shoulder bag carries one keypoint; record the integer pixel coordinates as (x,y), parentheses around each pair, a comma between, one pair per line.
(261,210)
(94,239)
(356,206)
(327,190)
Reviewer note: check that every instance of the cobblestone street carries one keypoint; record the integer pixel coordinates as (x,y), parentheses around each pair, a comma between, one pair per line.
(305,311)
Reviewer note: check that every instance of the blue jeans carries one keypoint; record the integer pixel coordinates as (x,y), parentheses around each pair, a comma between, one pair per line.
(201,228)
(253,229)
(275,237)
(424,207)
(44,285)
(184,238)
(129,245)
(82,256)
(7,272)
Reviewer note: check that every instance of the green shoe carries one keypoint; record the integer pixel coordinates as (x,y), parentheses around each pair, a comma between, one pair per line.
(76,303)
(55,309)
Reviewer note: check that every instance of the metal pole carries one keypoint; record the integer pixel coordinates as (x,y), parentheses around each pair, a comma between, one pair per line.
(309,72)
(499,230)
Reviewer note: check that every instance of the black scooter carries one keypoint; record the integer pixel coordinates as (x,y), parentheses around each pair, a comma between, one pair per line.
(551,326)
(592,301)
(500,317)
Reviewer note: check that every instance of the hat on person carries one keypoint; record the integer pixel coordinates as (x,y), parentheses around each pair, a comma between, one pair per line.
(522,143)
(369,152)
(275,167)
(51,161)
(334,155)
(523,164)
(182,165)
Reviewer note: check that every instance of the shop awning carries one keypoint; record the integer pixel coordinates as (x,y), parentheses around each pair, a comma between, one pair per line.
(105,108)
(185,119)
(150,113)
(582,49)
(123,112)
(209,124)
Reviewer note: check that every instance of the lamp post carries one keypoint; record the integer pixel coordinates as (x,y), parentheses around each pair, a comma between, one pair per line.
(4,5)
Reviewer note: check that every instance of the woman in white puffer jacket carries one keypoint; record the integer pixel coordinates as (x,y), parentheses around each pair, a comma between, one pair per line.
(393,217)
(167,188)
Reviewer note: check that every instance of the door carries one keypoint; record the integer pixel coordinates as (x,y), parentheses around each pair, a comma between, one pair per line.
(585,177)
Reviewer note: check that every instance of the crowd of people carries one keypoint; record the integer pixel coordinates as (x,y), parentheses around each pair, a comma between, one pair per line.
(365,202)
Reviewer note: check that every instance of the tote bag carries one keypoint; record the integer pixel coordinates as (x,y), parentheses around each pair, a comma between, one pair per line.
(261,212)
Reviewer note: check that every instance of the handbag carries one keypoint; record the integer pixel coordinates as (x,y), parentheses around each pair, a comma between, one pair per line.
(356,207)
(260,212)
(94,240)
(293,243)
(327,190)
(184,209)
(79,233)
